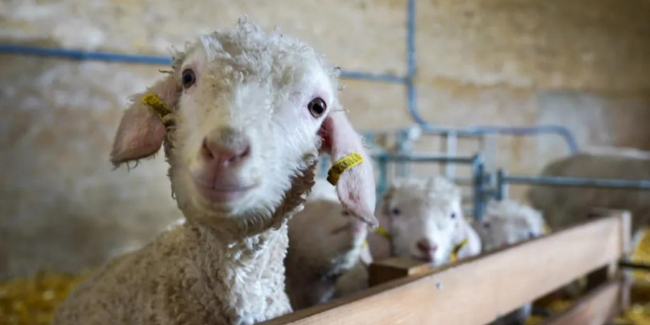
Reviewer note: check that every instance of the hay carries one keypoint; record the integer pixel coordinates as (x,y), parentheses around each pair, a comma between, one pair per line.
(33,300)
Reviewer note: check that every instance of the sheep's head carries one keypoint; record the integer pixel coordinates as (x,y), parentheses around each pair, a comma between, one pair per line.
(507,222)
(424,218)
(250,110)
(324,233)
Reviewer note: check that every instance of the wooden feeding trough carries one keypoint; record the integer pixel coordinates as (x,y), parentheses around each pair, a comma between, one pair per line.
(478,290)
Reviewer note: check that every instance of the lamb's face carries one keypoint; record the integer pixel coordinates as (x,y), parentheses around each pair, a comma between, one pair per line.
(422,226)
(248,115)
(508,227)
(245,113)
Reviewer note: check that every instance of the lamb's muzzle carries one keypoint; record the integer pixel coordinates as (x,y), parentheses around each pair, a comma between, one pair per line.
(224,151)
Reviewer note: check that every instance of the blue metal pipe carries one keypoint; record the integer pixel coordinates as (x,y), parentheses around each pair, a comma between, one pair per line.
(410,39)
(382,182)
(154,60)
(509,130)
(411,89)
(478,169)
(84,55)
(478,130)
(424,158)
(524,131)
(324,164)
(578,182)
(373,77)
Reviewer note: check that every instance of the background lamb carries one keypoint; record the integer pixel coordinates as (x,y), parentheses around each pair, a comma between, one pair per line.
(508,222)
(505,223)
(248,113)
(425,221)
(564,205)
(325,243)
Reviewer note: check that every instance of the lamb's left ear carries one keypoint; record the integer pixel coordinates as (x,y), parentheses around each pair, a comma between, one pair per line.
(141,131)
(356,185)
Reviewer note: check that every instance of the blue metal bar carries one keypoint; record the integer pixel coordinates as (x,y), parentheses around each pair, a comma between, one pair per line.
(373,77)
(324,162)
(578,182)
(410,39)
(382,183)
(154,60)
(509,130)
(402,169)
(479,198)
(424,158)
(84,55)
(411,89)
(501,192)
(479,130)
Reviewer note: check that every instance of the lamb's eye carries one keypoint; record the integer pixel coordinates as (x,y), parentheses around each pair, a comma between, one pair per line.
(395,211)
(453,216)
(317,107)
(188,78)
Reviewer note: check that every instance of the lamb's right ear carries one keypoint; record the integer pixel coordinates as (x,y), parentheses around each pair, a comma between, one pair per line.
(141,131)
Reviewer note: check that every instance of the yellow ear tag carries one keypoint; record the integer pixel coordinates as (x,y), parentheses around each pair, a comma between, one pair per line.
(158,107)
(382,232)
(454,253)
(546,229)
(342,165)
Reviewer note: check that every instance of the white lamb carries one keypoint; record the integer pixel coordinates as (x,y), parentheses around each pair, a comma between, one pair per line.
(505,223)
(508,222)
(325,246)
(249,110)
(425,221)
(563,206)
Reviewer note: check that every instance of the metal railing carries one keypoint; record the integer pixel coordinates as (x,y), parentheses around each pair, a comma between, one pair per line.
(503,179)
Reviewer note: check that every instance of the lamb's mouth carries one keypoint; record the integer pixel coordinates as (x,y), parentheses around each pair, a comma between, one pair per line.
(223,193)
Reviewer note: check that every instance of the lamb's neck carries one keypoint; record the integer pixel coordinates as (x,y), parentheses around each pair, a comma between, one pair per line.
(246,275)
(220,249)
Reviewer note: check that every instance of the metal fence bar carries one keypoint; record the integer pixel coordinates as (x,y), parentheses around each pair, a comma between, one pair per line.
(476,131)
(421,158)
(577,182)
(502,186)
(451,148)
(18,49)
(478,170)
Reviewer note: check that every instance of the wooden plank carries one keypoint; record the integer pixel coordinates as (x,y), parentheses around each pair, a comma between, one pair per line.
(594,309)
(598,277)
(480,289)
(394,268)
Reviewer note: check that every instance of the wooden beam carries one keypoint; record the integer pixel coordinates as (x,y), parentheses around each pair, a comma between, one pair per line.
(395,268)
(594,309)
(479,289)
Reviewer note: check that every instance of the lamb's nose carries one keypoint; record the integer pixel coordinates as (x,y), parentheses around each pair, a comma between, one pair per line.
(426,246)
(226,148)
